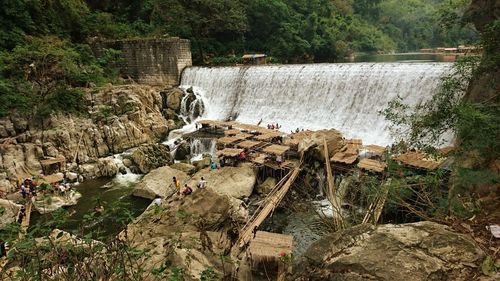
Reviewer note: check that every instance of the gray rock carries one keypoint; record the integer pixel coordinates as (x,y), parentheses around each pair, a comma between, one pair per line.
(266,186)
(186,168)
(151,156)
(158,182)
(412,252)
(10,212)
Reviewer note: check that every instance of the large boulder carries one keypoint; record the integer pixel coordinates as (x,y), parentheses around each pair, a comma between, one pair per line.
(174,98)
(186,168)
(266,186)
(237,182)
(410,252)
(8,212)
(182,151)
(49,203)
(158,182)
(151,156)
(6,186)
(188,232)
(315,141)
(103,167)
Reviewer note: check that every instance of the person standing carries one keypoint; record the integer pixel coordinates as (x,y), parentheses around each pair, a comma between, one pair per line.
(177,185)
(24,191)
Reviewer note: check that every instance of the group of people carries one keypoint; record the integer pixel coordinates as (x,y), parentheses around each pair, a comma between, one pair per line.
(187,190)
(63,188)
(28,187)
(273,126)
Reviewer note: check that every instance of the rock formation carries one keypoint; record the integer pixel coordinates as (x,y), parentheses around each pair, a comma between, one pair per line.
(414,251)
(189,232)
(158,182)
(151,156)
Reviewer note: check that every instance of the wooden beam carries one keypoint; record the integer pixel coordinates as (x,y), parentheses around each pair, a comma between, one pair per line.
(332,193)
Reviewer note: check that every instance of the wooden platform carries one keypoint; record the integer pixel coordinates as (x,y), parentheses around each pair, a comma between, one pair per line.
(419,159)
(372,165)
(269,246)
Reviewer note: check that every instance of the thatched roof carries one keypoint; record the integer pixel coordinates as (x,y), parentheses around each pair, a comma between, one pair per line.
(419,159)
(372,165)
(346,158)
(358,142)
(276,149)
(48,162)
(228,140)
(243,136)
(259,159)
(230,152)
(375,149)
(269,246)
(248,144)
(231,132)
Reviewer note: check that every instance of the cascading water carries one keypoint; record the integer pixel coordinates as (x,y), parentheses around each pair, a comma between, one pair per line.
(346,97)
(202,146)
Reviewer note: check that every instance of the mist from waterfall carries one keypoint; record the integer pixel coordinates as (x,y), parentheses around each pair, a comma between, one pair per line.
(346,97)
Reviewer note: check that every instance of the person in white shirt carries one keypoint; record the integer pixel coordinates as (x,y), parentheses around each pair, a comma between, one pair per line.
(202,183)
(157,200)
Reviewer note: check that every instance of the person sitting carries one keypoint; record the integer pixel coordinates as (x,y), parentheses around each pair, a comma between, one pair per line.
(187,190)
(62,189)
(157,200)
(213,165)
(279,159)
(202,183)
(243,155)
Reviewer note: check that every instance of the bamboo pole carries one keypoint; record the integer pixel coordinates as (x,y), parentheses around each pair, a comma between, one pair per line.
(332,193)
(271,202)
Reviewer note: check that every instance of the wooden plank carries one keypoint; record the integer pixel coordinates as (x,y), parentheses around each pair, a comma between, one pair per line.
(336,209)
(271,202)
(276,149)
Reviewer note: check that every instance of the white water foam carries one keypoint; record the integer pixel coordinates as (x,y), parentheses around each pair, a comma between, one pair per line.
(346,97)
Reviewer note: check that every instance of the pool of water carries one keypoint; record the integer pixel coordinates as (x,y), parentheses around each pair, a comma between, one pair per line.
(113,194)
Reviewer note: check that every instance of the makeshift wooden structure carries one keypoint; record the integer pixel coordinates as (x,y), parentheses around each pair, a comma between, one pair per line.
(48,165)
(276,149)
(229,152)
(419,159)
(375,150)
(270,247)
(248,144)
(228,140)
(231,132)
(372,165)
(269,204)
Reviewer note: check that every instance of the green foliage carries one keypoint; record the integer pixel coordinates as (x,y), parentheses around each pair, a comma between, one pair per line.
(2,210)
(209,274)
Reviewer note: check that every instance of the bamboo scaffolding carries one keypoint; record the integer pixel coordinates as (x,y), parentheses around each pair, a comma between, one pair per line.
(270,203)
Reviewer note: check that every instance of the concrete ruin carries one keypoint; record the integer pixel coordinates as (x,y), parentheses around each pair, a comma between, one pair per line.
(150,61)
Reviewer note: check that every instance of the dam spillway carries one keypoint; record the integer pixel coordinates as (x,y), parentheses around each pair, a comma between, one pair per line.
(346,97)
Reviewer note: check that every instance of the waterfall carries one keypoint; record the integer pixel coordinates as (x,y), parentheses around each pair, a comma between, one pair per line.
(202,146)
(346,97)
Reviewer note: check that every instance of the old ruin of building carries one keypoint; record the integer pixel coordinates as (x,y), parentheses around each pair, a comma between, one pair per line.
(150,61)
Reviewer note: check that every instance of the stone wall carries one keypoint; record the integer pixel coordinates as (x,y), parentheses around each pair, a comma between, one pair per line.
(151,61)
